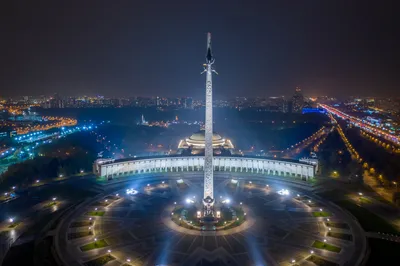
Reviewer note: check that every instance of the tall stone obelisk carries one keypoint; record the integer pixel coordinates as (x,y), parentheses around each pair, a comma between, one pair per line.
(208,158)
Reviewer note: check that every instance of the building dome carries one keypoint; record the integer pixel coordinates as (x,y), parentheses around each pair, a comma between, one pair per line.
(197,141)
(200,136)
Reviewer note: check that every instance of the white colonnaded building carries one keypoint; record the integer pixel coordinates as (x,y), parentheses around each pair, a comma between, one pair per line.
(110,168)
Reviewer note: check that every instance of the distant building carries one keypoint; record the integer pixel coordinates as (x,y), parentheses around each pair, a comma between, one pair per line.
(298,101)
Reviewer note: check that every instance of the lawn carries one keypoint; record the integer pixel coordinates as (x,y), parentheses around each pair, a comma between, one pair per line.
(343,236)
(320,261)
(95,213)
(80,224)
(79,235)
(13,225)
(98,244)
(50,204)
(337,225)
(322,245)
(99,261)
(321,214)
(368,220)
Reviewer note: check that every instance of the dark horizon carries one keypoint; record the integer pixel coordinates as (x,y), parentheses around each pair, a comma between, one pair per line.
(262,49)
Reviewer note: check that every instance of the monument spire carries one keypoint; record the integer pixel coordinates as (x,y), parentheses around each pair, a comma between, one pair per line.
(208,157)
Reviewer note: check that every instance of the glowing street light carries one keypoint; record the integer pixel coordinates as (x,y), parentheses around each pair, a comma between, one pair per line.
(128,260)
(54,199)
(11,220)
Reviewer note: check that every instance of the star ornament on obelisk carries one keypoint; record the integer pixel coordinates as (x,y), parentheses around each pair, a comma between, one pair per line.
(208,199)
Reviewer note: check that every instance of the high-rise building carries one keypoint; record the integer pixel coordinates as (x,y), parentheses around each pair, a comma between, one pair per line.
(297,101)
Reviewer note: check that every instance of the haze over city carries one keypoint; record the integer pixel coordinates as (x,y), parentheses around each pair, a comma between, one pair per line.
(264,48)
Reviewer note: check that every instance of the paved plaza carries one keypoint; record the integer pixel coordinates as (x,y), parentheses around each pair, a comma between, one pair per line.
(294,229)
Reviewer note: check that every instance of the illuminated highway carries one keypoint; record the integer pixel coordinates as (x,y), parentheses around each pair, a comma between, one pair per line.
(363,124)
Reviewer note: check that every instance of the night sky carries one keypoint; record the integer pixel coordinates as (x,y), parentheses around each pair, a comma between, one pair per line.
(150,48)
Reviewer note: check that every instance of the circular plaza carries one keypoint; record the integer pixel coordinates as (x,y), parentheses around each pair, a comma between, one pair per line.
(153,220)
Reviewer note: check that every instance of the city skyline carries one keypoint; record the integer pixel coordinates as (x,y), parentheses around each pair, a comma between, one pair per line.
(115,49)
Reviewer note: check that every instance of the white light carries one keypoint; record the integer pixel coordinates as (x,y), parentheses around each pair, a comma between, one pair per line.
(293,261)
(117,195)
(283,192)
(95,239)
(250,182)
(241,203)
(189,201)
(54,199)
(95,209)
(234,181)
(131,191)
(37,181)
(320,210)
(109,251)
(148,185)
(324,240)
(175,202)
(163,182)
(312,251)
(90,218)
(227,201)
(172,213)
(11,220)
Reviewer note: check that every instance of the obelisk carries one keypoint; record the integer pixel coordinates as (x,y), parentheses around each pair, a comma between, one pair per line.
(208,199)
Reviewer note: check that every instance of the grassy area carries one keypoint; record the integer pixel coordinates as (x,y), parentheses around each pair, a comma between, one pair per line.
(368,220)
(383,252)
(337,225)
(80,224)
(321,214)
(79,235)
(322,245)
(101,204)
(320,261)
(50,204)
(100,261)
(13,225)
(95,213)
(342,236)
(97,244)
